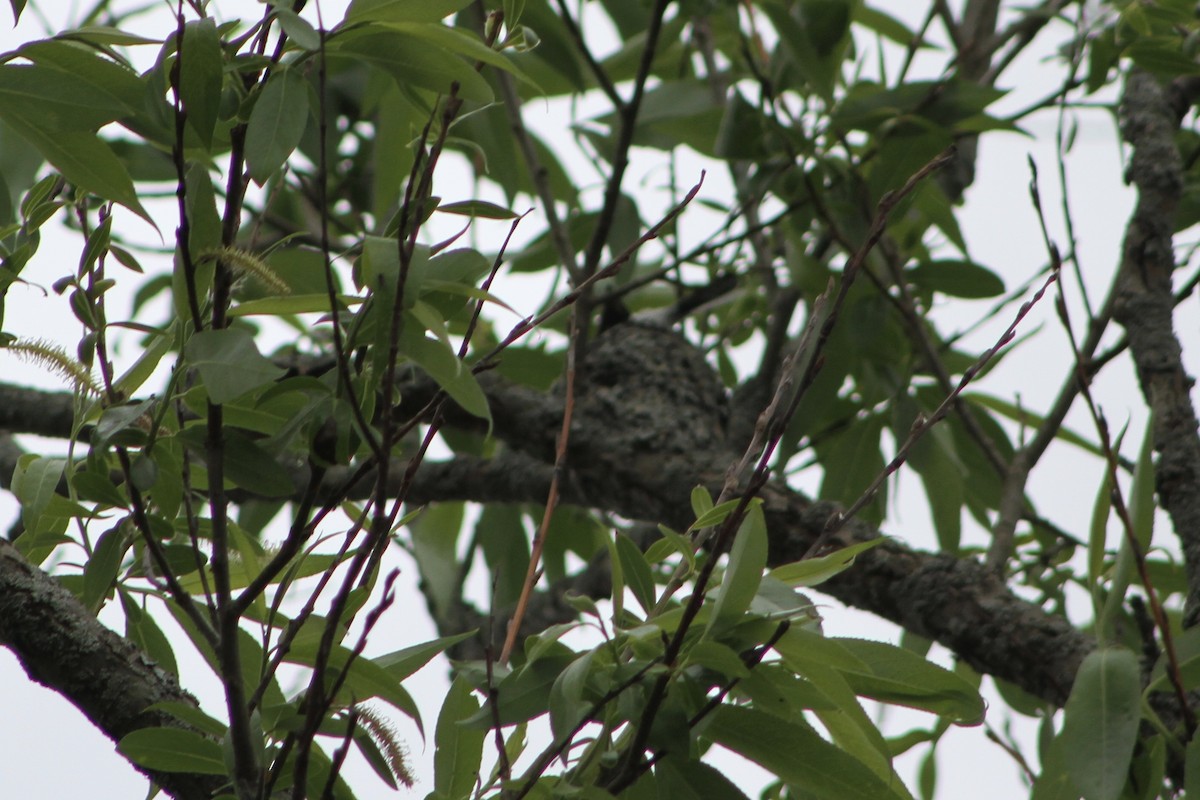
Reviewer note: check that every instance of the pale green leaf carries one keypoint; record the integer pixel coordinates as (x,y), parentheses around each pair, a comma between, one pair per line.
(173,750)
(1100,724)
(747,558)
(459,748)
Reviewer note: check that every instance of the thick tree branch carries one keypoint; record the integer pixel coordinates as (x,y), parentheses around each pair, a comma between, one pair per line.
(1144,306)
(63,647)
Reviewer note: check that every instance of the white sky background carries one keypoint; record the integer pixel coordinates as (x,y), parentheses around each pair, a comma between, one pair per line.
(48,749)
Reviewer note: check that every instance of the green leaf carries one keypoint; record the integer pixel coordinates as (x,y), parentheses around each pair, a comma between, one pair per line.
(636,572)
(412,61)
(276,124)
(201,66)
(101,570)
(173,750)
(290,304)
(1141,510)
(34,482)
(142,630)
(568,707)
(435,534)
(795,753)
(851,459)
(400,664)
(192,716)
(298,29)
(504,541)
(477,208)
(86,161)
(1191,769)
(364,678)
(401,10)
(957,279)
(443,365)
(229,363)
(683,779)
(1100,723)
(525,693)
(66,89)
(898,676)
(251,467)
(747,559)
(459,748)
(714,515)
(814,571)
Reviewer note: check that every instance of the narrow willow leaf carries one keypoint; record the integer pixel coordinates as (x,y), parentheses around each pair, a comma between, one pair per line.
(173,750)
(636,570)
(1191,769)
(713,515)
(957,279)
(443,365)
(1100,724)
(478,208)
(250,467)
(86,161)
(290,304)
(525,693)
(898,676)
(747,559)
(402,663)
(459,748)
(229,363)
(201,73)
(402,10)
(1141,511)
(101,570)
(682,779)
(814,571)
(796,754)
(276,124)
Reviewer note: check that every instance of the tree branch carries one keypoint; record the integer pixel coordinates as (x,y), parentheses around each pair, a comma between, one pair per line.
(1144,306)
(64,648)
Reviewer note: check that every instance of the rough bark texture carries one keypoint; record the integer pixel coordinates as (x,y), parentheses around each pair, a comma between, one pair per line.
(64,648)
(1145,304)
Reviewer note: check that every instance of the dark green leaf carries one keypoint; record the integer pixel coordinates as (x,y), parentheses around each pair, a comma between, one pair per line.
(101,570)
(682,779)
(298,29)
(412,61)
(477,208)
(252,468)
(957,279)
(201,66)
(276,123)
(229,363)
(86,161)
(401,10)
(637,574)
